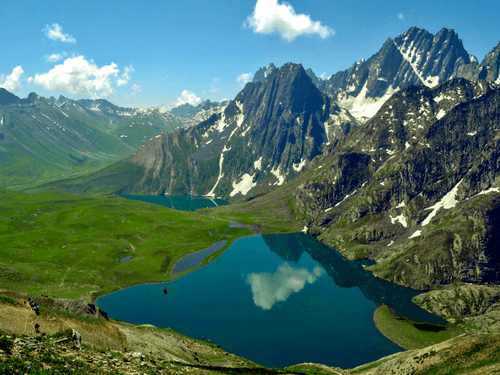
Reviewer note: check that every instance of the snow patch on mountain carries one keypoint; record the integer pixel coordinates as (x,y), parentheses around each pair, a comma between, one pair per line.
(258,164)
(277,173)
(298,166)
(399,219)
(448,201)
(244,185)
(363,106)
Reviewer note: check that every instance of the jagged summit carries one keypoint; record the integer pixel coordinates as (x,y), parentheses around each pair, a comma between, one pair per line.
(415,57)
(262,73)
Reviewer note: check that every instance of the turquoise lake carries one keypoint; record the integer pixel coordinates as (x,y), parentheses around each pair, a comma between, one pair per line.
(181,203)
(277,300)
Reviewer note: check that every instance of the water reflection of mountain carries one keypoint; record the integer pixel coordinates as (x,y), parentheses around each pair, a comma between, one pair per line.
(286,246)
(348,274)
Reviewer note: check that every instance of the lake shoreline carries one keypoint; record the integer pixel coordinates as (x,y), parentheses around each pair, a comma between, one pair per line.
(93,299)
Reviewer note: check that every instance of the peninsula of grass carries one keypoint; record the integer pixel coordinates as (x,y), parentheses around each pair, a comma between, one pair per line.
(409,334)
(70,246)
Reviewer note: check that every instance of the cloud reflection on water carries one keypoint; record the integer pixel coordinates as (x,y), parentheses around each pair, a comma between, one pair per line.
(269,288)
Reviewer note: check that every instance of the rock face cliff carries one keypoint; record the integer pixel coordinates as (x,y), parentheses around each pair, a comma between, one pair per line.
(263,137)
(416,188)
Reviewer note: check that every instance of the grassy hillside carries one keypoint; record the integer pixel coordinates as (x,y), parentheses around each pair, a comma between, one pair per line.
(70,246)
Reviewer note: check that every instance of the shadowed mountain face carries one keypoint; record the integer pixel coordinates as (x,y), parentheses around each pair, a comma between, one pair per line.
(263,137)
(416,188)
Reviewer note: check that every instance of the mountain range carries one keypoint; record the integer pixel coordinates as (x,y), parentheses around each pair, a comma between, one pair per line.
(415,57)
(46,138)
(283,118)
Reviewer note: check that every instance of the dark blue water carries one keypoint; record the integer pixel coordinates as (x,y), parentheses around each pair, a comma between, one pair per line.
(277,300)
(181,203)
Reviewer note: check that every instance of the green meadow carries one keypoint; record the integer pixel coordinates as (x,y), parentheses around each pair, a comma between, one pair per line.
(66,245)
(409,334)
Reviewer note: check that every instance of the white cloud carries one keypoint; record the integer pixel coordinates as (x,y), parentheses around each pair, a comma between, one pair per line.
(12,82)
(54,32)
(188,97)
(79,76)
(125,76)
(269,16)
(401,16)
(54,57)
(214,89)
(244,78)
(323,76)
(268,289)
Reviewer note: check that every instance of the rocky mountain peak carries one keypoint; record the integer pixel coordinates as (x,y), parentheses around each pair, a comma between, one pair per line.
(490,67)
(262,73)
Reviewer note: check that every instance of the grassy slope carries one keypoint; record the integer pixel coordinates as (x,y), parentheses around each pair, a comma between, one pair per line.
(68,246)
(407,334)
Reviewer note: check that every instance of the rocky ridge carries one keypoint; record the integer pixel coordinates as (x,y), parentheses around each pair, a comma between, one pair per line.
(415,57)
(415,188)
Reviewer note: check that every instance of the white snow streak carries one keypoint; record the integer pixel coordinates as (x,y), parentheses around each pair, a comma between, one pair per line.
(490,190)
(416,234)
(448,201)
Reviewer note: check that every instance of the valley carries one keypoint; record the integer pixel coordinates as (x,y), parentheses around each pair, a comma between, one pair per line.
(381,181)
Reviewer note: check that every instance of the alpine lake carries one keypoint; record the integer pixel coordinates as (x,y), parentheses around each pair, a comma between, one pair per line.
(277,300)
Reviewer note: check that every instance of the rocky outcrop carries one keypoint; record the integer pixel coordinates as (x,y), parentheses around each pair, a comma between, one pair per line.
(415,188)
(476,305)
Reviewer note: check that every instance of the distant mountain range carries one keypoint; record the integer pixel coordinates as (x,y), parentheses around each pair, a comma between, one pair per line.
(44,138)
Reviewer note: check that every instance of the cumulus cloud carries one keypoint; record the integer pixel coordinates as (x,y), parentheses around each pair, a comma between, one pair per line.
(54,32)
(12,82)
(186,97)
(401,16)
(268,289)
(79,76)
(125,76)
(269,16)
(243,79)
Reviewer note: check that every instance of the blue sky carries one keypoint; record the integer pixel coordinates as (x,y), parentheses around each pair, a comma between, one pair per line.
(150,53)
